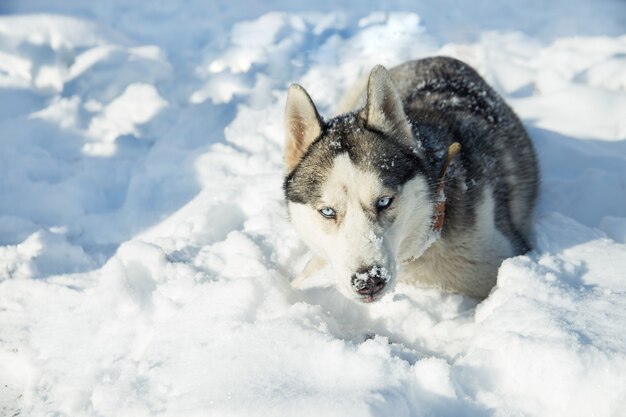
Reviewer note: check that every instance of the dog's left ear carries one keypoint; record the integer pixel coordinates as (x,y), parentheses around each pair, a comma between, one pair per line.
(383,110)
(303,125)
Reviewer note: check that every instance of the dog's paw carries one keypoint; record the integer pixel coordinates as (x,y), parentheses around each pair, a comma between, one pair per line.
(314,265)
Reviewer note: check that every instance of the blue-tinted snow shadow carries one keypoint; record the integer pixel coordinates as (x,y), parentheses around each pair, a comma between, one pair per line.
(93,203)
(420,400)
(353,321)
(447,20)
(584,179)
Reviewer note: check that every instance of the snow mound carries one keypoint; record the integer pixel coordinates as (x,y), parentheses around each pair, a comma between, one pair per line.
(145,254)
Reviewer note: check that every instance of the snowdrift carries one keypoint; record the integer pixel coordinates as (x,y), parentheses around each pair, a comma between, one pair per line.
(145,254)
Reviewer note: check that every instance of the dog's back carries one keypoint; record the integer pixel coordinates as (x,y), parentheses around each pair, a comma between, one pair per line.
(496,149)
(495,176)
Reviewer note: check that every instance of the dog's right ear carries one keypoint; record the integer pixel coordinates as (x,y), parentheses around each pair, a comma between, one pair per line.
(302,125)
(383,110)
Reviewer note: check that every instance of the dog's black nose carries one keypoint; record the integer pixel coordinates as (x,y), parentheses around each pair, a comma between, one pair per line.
(369,280)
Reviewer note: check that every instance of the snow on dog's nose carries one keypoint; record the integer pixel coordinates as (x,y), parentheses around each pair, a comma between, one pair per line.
(369,281)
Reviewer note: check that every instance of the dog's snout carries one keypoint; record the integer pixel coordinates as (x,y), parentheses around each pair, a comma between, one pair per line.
(369,281)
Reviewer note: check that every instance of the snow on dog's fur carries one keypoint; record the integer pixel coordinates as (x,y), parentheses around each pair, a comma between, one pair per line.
(362,188)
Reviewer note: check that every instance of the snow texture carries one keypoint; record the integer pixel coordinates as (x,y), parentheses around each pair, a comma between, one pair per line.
(145,254)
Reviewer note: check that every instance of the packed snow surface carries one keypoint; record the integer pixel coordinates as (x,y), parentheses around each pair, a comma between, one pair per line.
(145,254)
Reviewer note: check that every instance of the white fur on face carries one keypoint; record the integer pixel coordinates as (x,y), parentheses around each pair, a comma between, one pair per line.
(359,236)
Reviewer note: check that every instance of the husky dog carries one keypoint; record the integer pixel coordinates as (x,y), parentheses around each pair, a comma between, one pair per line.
(369,192)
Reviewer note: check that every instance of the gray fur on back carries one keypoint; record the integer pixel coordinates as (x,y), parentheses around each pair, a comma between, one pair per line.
(496,150)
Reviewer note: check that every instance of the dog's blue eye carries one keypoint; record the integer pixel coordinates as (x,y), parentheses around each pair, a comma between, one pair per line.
(383,203)
(328,212)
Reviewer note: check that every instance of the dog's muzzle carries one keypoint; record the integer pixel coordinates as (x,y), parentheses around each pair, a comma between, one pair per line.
(369,281)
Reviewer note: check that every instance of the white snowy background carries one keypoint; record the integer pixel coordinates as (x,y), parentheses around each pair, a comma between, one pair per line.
(145,255)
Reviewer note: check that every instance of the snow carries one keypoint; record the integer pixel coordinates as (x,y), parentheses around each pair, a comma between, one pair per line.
(145,254)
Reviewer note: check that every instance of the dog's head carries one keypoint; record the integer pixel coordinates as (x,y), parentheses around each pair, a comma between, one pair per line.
(357,187)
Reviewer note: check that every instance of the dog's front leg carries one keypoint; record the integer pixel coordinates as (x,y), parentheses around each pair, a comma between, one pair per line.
(315,264)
